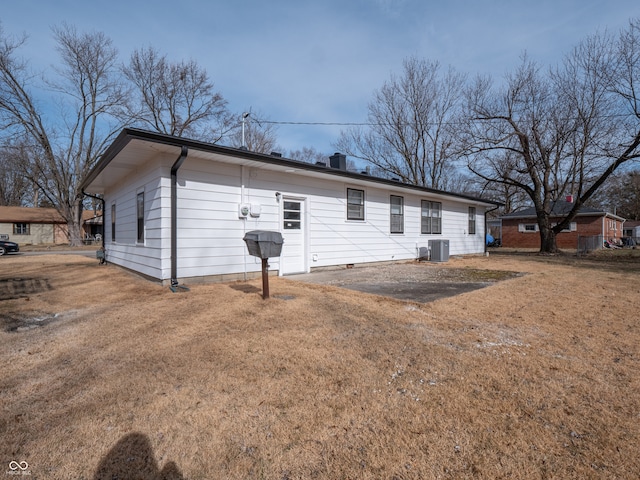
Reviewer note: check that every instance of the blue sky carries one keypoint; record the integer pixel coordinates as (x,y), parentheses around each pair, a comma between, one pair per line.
(320,61)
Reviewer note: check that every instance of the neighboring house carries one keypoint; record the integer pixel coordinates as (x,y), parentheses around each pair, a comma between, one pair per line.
(92,225)
(177,209)
(32,226)
(631,228)
(520,229)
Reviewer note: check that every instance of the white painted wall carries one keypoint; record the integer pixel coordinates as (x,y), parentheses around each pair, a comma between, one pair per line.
(210,232)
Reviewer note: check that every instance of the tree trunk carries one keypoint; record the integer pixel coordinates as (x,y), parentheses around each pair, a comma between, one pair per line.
(548,240)
(74,224)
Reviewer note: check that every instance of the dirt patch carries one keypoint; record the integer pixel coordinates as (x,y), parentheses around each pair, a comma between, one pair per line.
(22,287)
(535,376)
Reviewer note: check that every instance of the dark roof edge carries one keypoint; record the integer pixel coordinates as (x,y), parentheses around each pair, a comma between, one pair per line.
(129,134)
(592,213)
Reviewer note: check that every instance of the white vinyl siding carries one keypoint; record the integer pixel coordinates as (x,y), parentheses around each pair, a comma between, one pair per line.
(210,233)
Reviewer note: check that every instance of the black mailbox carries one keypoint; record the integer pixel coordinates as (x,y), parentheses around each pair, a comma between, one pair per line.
(263,243)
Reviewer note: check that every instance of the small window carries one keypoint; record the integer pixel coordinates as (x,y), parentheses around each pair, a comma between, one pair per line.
(397,214)
(140,210)
(292,217)
(113,222)
(21,228)
(527,227)
(472,220)
(431,221)
(355,204)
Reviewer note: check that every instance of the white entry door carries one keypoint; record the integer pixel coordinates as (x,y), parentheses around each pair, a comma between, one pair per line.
(292,259)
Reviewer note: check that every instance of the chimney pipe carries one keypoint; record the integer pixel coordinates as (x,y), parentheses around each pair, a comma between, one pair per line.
(338,160)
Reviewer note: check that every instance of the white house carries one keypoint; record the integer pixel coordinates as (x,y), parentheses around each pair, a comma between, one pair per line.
(178,209)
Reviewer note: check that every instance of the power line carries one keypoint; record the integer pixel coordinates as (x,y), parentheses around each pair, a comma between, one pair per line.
(389,124)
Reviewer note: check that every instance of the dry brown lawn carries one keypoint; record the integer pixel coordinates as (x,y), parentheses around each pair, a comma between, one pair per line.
(533,377)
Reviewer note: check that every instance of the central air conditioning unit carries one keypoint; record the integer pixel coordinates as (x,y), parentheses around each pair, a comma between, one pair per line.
(439,250)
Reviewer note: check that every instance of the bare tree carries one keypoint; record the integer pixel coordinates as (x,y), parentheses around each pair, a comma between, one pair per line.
(411,134)
(254,134)
(308,155)
(561,132)
(176,98)
(621,194)
(60,148)
(15,188)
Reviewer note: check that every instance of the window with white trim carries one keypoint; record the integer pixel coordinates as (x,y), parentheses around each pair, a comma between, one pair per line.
(292,211)
(527,227)
(572,227)
(21,228)
(397,214)
(430,217)
(472,220)
(355,204)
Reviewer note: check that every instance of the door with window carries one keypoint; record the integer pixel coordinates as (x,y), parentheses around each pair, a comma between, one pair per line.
(293,227)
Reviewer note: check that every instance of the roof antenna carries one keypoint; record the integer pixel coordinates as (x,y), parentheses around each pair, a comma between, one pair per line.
(244,117)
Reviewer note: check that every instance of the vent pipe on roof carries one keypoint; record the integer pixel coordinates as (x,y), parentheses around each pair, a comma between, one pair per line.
(174,219)
(244,118)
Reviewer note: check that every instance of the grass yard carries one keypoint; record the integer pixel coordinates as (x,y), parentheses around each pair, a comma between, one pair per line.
(104,375)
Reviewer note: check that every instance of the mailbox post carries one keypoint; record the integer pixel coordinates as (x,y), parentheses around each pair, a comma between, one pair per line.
(264,244)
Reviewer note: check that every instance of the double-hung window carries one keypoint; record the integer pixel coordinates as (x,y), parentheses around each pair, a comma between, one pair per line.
(355,204)
(431,217)
(397,214)
(472,220)
(21,229)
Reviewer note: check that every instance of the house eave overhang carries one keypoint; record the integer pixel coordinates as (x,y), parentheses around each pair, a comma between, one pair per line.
(96,181)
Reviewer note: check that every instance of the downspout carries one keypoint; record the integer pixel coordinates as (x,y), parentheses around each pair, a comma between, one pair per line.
(487,231)
(174,218)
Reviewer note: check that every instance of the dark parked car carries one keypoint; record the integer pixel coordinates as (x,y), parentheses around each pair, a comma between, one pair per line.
(7,247)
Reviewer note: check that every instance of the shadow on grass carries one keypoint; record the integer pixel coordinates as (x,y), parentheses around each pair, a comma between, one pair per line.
(244,288)
(132,457)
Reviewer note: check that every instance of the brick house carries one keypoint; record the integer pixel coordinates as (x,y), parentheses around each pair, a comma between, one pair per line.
(520,229)
(632,229)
